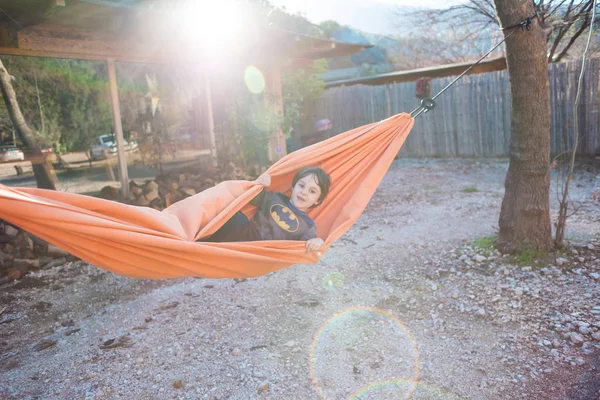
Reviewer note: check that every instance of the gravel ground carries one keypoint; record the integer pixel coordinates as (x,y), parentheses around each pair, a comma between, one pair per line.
(410,303)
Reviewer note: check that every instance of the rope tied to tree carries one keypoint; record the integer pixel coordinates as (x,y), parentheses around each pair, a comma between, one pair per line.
(525,24)
(428,104)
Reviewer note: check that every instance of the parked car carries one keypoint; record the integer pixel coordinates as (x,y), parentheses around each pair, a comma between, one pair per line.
(11,153)
(48,154)
(106,145)
(47,150)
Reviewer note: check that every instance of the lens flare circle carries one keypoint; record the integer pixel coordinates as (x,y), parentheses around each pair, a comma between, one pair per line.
(346,342)
(385,390)
(255,81)
(333,279)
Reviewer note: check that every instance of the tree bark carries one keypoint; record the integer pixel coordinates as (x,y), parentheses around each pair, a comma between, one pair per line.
(525,215)
(43,170)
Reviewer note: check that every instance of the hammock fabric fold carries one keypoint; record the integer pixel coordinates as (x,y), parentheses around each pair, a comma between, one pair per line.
(145,243)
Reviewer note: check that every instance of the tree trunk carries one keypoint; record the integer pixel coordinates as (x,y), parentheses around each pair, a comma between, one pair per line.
(525,215)
(43,170)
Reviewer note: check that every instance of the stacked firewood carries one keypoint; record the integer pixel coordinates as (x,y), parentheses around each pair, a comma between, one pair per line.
(172,187)
(21,253)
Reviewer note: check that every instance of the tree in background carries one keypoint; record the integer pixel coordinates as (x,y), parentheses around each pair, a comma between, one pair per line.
(44,173)
(301,90)
(82,95)
(245,131)
(563,21)
(279,17)
(65,101)
(329,28)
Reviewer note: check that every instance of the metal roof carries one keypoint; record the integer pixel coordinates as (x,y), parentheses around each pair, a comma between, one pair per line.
(495,64)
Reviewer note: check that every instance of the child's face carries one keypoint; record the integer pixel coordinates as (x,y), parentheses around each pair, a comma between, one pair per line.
(305,193)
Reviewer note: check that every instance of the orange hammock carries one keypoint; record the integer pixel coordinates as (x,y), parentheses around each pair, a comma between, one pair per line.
(145,243)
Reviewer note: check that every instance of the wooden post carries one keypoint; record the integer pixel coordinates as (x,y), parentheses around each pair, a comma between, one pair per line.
(109,170)
(118,126)
(371,102)
(208,118)
(388,97)
(274,101)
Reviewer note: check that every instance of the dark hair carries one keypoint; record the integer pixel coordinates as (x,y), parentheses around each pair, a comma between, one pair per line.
(323,179)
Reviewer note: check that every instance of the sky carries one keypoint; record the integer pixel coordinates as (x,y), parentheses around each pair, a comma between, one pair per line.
(373,16)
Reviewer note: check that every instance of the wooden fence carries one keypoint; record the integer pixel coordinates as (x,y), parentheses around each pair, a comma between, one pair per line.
(472,118)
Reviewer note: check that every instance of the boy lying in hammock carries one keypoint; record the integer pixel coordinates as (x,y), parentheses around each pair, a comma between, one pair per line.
(279,217)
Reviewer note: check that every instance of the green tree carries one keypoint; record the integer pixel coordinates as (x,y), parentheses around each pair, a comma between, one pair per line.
(266,14)
(65,101)
(301,90)
(329,28)
(44,173)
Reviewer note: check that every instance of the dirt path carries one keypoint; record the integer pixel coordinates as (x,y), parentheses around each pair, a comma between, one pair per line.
(402,296)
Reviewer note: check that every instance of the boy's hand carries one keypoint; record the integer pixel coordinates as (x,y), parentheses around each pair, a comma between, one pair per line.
(314,244)
(264,179)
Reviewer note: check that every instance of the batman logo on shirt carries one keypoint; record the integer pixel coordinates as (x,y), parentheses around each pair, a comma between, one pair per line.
(284,217)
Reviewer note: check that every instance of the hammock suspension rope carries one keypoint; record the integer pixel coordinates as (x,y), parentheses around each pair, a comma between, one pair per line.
(428,104)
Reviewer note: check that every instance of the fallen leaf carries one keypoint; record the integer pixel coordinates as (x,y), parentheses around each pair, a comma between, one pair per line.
(121,341)
(168,306)
(44,344)
(178,384)
(72,331)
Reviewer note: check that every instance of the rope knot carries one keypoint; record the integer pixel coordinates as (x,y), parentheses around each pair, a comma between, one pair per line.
(525,24)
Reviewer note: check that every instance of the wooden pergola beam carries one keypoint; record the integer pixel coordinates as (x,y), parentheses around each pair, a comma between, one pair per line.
(47,40)
(121,57)
(496,64)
